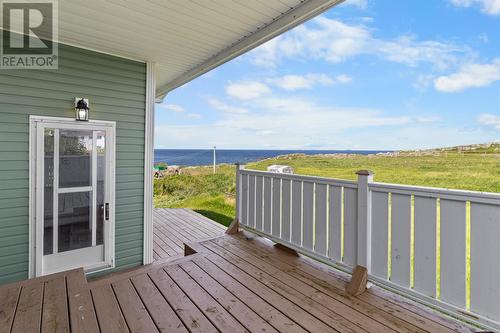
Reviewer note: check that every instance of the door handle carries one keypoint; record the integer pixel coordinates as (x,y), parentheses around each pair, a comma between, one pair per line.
(106,212)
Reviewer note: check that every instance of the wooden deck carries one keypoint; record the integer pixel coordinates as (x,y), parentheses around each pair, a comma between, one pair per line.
(175,226)
(232,284)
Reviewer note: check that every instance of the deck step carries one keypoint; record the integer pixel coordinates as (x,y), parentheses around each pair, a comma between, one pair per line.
(61,301)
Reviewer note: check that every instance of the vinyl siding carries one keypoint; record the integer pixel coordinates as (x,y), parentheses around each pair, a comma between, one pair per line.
(116,89)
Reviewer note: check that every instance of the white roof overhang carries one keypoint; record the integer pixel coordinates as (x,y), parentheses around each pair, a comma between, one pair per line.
(184,38)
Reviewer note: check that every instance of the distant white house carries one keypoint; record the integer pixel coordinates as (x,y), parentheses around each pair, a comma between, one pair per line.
(280,169)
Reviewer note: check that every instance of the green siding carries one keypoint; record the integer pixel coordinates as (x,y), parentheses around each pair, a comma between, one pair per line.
(117,91)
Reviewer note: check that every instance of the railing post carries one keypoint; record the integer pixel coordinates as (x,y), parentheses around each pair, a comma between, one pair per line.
(234,227)
(364,259)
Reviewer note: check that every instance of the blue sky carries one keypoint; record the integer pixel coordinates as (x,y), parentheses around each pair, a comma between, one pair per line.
(368,74)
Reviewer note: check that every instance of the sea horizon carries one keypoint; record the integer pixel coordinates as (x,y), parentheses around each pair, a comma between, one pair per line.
(199,157)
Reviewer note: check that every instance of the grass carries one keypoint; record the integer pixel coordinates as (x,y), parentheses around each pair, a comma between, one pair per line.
(213,195)
(467,171)
(208,194)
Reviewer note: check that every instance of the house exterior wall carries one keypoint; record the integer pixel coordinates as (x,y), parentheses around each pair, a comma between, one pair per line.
(116,89)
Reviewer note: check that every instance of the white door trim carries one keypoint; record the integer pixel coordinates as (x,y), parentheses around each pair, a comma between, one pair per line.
(35,236)
(148,163)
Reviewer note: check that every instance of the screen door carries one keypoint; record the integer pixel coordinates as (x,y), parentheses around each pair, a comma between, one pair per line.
(75,191)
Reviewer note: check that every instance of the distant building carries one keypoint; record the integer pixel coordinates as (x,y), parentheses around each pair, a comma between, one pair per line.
(280,169)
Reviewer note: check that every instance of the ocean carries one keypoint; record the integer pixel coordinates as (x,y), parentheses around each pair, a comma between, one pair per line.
(194,157)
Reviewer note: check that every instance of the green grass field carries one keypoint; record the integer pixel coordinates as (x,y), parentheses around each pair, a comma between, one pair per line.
(213,195)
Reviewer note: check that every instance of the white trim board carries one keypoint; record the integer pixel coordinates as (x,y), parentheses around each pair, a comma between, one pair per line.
(148,163)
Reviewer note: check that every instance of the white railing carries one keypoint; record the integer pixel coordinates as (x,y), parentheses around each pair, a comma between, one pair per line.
(438,246)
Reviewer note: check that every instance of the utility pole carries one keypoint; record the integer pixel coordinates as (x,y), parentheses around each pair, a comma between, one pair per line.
(214,159)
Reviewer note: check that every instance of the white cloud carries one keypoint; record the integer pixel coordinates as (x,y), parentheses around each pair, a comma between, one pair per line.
(246,90)
(362,4)
(172,107)
(490,7)
(469,76)
(308,81)
(483,37)
(221,106)
(194,115)
(334,41)
(490,120)
(423,81)
(294,82)
(288,122)
(343,78)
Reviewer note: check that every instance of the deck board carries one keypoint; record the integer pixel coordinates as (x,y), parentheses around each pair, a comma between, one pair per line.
(108,311)
(235,283)
(175,226)
(188,312)
(345,306)
(55,307)
(134,311)
(244,314)
(208,306)
(9,297)
(308,313)
(164,317)
(29,309)
(81,307)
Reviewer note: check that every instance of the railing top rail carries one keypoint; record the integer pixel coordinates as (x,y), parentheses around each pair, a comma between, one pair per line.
(313,179)
(436,192)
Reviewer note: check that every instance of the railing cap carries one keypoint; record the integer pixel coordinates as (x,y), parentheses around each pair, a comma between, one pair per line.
(365,173)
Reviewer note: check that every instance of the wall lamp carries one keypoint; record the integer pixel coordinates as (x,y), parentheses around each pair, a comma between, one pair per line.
(81,109)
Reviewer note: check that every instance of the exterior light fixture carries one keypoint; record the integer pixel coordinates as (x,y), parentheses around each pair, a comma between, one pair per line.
(81,109)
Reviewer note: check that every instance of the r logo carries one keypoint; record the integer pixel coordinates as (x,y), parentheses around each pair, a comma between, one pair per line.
(28,28)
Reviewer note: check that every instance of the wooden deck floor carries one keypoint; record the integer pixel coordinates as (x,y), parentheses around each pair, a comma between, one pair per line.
(175,226)
(231,285)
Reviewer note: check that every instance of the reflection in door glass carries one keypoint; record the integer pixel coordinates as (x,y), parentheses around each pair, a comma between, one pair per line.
(75,157)
(101,178)
(48,185)
(75,222)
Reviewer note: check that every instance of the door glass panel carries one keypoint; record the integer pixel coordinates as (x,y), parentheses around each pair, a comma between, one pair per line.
(75,158)
(101,178)
(48,190)
(75,222)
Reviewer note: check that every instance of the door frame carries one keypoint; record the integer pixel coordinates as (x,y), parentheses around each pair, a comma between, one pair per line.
(34,232)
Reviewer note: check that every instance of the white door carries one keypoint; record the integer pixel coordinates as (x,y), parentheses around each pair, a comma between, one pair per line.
(74,195)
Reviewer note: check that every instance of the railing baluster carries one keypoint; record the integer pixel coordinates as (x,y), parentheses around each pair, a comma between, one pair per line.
(276,214)
(485,263)
(380,234)
(259,200)
(251,201)
(320,218)
(296,236)
(308,216)
(425,245)
(400,240)
(335,223)
(286,221)
(350,226)
(267,204)
(453,252)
